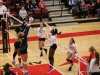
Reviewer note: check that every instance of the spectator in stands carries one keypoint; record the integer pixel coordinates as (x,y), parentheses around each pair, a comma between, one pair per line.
(41,6)
(22,13)
(84,9)
(16,2)
(95,65)
(27,5)
(97,8)
(23,2)
(71,3)
(76,11)
(2,9)
(33,5)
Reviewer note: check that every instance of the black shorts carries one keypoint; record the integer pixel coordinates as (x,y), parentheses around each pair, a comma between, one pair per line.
(41,39)
(96,73)
(23,51)
(54,46)
(17,44)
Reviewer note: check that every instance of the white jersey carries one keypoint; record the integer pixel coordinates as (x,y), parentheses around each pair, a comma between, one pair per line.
(41,33)
(72,48)
(52,40)
(2,9)
(93,66)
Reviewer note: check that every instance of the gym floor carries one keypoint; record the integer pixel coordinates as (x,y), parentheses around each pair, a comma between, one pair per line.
(85,35)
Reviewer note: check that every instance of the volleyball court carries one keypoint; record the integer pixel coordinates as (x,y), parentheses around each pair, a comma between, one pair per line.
(80,64)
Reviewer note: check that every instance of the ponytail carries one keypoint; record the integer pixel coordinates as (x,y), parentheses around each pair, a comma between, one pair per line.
(93,49)
(56,31)
(6,67)
(97,58)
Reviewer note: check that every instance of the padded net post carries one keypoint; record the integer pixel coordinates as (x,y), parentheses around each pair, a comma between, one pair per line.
(4,37)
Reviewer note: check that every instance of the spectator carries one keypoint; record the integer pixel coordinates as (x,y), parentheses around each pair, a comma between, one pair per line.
(23,2)
(22,13)
(42,5)
(71,3)
(33,5)
(97,8)
(95,65)
(76,11)
(84,9)
(27,6)
(16,2)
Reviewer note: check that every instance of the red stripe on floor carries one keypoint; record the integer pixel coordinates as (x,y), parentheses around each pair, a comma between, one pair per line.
(75,34)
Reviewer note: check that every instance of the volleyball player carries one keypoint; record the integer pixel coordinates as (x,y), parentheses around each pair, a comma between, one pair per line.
(92,51)
(42,34)
(53,47)
(95,65)
(17,49)
(17,44)
(7,71)
(24,46)
(71,53)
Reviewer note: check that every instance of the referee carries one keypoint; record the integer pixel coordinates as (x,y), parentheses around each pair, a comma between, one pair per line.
(2,9)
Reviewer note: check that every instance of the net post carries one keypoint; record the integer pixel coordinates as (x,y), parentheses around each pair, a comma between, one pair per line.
(4,36)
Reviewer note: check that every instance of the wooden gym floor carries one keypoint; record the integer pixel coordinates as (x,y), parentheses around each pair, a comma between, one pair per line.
(82,44)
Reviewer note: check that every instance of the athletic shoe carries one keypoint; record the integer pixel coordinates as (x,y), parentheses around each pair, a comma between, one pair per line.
(26,72)
(70,69)
(50,70)
(41,54)
(20,66)
(13,62)
(17,73)
(45,51)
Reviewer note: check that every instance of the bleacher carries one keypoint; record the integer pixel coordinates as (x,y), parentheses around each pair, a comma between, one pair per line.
(54,14)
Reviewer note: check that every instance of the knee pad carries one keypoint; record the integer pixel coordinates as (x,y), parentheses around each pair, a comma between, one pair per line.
(67,60)
(14,54)
(19,56)
(40,48)
(24,62)
(70,61)
(51,58)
